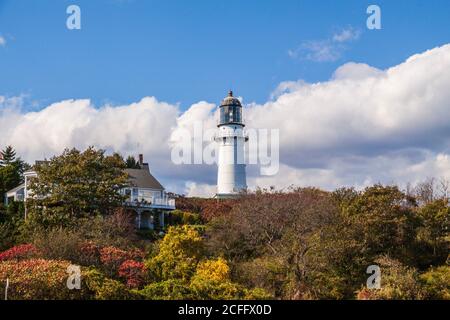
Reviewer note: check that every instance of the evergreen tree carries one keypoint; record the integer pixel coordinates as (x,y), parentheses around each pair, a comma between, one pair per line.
(131,163)
(9,177)
(11,170)
(8,155)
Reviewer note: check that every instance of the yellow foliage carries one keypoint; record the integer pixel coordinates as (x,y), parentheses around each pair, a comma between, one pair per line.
(213,270)
(178,256)
(436,283)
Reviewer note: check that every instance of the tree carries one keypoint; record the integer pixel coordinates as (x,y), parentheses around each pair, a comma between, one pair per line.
(436,283)
(10,177)
(179,252)
(307,243)
(172,289)
(180,270)
(212,281)
(8,155)
(131,163)
(277,228)
(398,282)
(178,217)
(76,184)
(379,220)
(206,208)
(214,270)
(383,219)
(432,233)
(103,288)
(11,170)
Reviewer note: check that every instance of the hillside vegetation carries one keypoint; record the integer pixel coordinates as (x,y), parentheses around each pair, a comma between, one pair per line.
(301,243)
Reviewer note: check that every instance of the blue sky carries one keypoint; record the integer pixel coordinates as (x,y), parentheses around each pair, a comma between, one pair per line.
(351,105)
(188,51)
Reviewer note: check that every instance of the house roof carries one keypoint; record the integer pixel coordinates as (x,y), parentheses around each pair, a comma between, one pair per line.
(142,178)
(13,191)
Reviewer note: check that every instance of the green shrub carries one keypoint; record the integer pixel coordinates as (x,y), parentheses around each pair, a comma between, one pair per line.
(7,232)
(398,282)
(178,217)
(103,288)
(436,283)
(172,289)
(257,294)
(148,234)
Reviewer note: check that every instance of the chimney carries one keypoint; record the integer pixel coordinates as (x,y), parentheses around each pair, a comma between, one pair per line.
(141,159)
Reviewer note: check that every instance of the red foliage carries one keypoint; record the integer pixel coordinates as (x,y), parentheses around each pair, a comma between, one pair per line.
(37,279)
(90,253)
(365,294)
(194,205)
(20,252)
(207,208)
(133,272)
(112,257)
(217,208)
(89,248)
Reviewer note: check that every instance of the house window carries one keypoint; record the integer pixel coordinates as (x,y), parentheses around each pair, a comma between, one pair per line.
(134,194)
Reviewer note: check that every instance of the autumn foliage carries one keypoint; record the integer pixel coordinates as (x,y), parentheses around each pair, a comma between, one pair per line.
(19,252)
(133,273)
(36,279)
(207,208)
(300,243)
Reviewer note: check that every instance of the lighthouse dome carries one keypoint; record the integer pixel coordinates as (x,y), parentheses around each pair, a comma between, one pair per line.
(230,100)
(230,111)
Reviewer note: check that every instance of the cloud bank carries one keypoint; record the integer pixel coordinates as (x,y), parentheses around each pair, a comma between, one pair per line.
(362,126)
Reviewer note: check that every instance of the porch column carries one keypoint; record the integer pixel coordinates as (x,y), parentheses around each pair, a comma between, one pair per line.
(139,218)
(161,219)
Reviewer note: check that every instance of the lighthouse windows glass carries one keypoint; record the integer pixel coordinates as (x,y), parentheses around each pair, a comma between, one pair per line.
(230,114)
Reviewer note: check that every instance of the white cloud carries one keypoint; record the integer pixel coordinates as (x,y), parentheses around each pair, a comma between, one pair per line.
(319,51)
(347,34)
(2,41)
(194,189)
(326,50)
(362,107)
(77,123)
(362,126)
(362,171)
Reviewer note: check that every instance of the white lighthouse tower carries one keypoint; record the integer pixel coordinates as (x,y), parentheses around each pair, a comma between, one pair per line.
(231,178)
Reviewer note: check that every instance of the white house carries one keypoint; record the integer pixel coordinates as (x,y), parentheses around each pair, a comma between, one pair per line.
(146,197)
